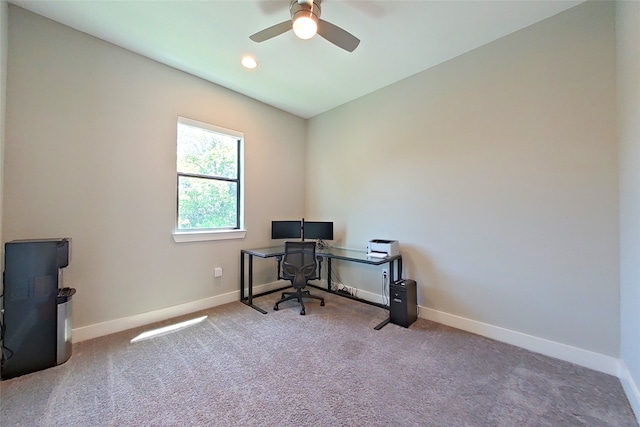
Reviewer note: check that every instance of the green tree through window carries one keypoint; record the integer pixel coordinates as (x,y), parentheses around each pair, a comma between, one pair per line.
(208,166)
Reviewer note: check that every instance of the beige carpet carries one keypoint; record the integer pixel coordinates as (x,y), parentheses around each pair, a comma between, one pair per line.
(328,368)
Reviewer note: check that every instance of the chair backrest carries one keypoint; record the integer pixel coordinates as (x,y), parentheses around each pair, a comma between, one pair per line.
(299,263)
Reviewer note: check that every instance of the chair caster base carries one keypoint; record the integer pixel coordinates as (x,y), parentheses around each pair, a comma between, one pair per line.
(302,312)
(275,308)
(321,303)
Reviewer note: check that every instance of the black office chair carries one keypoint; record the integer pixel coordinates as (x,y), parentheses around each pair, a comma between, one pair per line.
(299,265)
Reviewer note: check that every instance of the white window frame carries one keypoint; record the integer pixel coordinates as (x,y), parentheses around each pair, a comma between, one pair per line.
(185,236)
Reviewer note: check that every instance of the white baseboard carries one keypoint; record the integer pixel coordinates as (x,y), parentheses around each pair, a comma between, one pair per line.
(630,389)
(589,359)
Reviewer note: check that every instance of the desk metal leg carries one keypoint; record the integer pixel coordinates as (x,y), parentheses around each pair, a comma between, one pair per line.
(250,279)
(249,299)
(392,279)
(395,269)
(241,276)
(329,274)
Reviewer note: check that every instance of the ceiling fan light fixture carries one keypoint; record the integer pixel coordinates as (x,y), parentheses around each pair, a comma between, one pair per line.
(305,25)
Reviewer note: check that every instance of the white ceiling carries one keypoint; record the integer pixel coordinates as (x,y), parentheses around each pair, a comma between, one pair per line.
(304,77)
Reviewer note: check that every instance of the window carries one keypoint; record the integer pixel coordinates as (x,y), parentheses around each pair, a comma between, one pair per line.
(209,164)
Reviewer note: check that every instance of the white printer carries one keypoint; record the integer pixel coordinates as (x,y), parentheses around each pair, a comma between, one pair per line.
(380,248)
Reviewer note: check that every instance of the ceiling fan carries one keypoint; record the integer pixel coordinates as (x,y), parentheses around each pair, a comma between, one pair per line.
(305,22)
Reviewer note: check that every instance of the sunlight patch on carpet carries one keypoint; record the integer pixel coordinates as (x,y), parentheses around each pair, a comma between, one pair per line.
(167,329)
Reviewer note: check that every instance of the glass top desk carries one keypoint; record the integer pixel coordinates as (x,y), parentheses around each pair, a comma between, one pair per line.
(328,254)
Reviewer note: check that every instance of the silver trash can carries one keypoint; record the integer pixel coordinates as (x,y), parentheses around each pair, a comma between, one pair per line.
(64,324)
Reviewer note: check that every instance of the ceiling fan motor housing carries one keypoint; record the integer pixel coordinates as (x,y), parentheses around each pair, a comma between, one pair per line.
(309,9)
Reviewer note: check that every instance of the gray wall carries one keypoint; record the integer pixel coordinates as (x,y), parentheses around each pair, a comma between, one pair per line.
(91,154)
(628,27)
(498,173)
(4,51)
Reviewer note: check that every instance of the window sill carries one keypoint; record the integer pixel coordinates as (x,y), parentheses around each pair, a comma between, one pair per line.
(205,236)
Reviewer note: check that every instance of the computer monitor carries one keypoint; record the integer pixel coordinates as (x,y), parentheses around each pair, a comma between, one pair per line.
(286,229)
(317,230)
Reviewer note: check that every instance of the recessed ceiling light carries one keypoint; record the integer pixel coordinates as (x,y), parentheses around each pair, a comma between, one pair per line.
(249,62)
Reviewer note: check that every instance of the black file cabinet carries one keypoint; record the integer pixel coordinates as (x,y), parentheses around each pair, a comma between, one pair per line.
(403,307)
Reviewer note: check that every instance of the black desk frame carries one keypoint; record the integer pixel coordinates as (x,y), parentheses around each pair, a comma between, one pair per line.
(395,270)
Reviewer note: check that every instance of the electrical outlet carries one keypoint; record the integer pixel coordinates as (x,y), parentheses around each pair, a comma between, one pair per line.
(385,274)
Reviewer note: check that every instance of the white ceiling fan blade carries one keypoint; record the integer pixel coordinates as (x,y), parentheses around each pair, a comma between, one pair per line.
(337,35)
(272,31)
